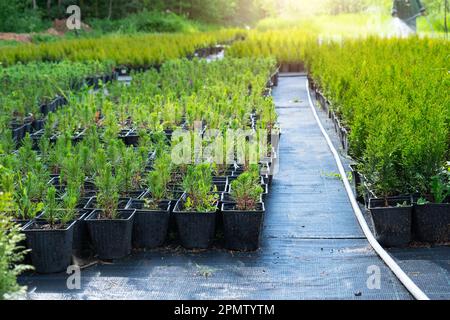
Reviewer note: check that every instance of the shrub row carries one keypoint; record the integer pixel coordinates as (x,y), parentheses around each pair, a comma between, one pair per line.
(287,46)
(131,50)
(392,95)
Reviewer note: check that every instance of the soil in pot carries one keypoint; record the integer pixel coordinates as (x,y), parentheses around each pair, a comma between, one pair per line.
(431,222)
(150,225)
(136,194)
(111,238)
(242,229)
(196,229)
(51,249)
(92,203)
(393,222)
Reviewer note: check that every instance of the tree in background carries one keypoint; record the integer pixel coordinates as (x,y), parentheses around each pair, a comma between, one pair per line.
(210,11)
(36,15)
(19,16)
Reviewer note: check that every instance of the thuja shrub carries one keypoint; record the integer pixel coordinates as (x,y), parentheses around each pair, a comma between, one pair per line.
(287,46)
(392,94)
(23,87)
(11,253)
(132,50)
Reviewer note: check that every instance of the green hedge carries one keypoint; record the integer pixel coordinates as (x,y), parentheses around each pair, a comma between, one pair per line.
(393,95)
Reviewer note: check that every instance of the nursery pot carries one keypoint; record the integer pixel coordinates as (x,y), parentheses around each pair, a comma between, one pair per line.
(393,223)
(242,229)
(111,238)
(431,222)
(132,139)
(18,132)
(51,249)
(356,176)
(196,229)
(81,239)
(150,226)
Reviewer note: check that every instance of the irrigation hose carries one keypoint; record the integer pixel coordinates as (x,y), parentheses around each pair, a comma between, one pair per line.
(395,268)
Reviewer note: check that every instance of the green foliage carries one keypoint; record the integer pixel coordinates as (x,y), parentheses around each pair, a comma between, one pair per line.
(131,49)
(108,192)
(129,171)
(159,178)
(246,190)
(440,187)
(24,87)
(392,95)
(11,254)
(28,197)
(55,212)
(199,189)
(147,22)
(15,16)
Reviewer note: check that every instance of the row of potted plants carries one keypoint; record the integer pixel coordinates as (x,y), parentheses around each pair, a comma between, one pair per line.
(399,220)
(113,228)
(403,180)
(82,183)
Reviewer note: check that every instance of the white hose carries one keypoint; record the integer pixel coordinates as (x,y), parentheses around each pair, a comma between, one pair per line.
(401,275)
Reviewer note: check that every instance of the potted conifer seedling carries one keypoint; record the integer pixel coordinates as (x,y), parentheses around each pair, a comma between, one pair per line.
(50,236)
(195,211)
(110,228)
(431,214)
(151,220)
(243,214)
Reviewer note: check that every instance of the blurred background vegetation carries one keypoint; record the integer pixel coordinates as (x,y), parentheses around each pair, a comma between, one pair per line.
(130,16)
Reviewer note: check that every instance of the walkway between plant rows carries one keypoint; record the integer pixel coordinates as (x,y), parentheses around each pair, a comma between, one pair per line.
(312,246)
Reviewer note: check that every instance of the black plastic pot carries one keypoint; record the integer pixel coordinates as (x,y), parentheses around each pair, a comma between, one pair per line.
(111,238)
(51,250)
(28,127)
(43,108)
(357,180)
(78,136)
(137,194)
(393,223)
(132,139)
(18,132)
(81,239)
(196,229)
(221,186)
(220,179)
(150,226)
(242,229)
(38,124)
(274,78)
(431,222)
(52,105)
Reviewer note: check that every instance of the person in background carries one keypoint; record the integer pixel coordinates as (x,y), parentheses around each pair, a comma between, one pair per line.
(408,11)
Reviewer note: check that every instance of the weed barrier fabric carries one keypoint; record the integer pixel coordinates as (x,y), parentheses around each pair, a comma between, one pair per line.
(312,246)
(427,266)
